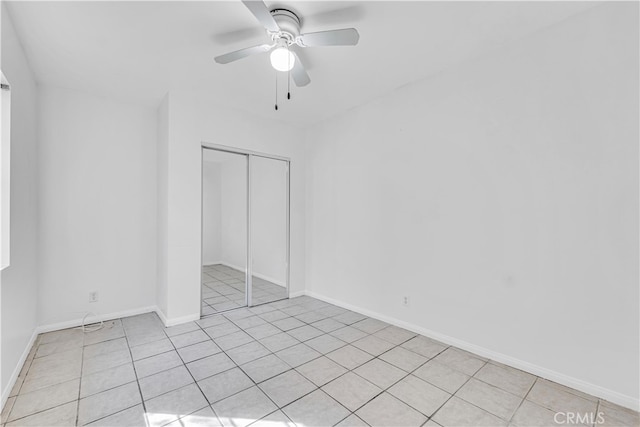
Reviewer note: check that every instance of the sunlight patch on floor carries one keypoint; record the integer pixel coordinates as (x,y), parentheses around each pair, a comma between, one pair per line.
(194,420)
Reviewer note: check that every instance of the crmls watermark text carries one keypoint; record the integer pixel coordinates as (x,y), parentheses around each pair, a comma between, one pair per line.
(579,418)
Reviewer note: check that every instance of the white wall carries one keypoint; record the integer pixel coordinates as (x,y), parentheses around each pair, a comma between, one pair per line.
(211,215)
(162,210)
(18,282)
(5,173)
(500,196)
(98,209)
(190,123)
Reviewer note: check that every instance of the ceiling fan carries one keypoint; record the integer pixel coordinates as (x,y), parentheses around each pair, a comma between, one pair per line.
(283,27)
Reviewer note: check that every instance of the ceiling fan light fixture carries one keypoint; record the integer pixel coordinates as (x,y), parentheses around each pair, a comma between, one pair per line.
(282,59)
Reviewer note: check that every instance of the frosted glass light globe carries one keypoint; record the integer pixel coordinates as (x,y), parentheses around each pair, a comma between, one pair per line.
(282,59)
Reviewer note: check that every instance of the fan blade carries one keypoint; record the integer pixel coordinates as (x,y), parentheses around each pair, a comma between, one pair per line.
(242,53)
(262,14)
(344,37)
(299,74)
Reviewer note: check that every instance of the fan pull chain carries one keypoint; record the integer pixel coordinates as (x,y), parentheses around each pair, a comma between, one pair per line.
(289,74)
(276,91)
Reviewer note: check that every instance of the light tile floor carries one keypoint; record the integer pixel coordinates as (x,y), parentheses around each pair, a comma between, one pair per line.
(294,362)
(223,288)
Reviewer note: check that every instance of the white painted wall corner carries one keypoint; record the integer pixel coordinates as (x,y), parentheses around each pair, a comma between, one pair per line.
(18,368)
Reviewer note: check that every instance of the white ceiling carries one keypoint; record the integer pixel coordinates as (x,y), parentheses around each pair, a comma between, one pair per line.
(138,51)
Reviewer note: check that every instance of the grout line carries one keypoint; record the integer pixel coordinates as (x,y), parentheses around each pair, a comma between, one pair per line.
(523,399)
(454,394)
(189,371)
(135,373)
(80,382)
(237,279)
(595,418)
(288,370)
(385,390)
(36,344)
(117,412)
(269,414)
(29,360)
(80,379)
(244,372)
(39,412)
(355,373)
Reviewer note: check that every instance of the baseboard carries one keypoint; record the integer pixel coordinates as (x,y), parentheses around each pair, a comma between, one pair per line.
(167,321)
(270,279)
(551,375)
(93,319)
(18,368)
(161,315)
(110,316)
(230,265)
(207,264)
(298,294)
(258,275)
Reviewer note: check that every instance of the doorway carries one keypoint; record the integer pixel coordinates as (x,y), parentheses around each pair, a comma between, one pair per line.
(245,229)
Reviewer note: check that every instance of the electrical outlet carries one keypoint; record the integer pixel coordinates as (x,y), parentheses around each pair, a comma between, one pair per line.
(405,301)
(93,296)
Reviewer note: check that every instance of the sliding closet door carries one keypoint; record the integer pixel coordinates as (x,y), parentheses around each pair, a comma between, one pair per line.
(269,208)
(224,231)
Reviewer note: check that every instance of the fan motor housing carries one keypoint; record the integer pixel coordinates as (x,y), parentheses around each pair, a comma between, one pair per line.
(288,22)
